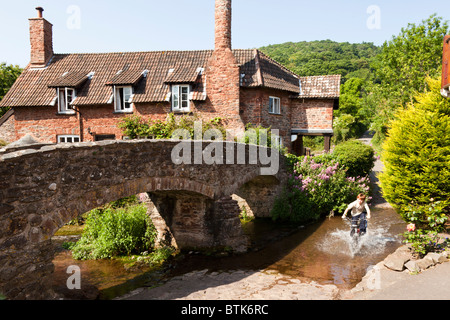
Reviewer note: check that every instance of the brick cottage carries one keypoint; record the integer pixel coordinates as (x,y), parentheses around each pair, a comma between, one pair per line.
(82,97)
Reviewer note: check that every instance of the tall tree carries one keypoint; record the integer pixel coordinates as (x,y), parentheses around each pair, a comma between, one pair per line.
(402,67)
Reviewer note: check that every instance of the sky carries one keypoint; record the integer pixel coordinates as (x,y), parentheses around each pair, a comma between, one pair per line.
(83,26)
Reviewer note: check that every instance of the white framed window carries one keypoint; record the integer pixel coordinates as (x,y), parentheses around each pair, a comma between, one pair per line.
(65,99)
(180,98)
(122,99)
(68,138)
(274,105)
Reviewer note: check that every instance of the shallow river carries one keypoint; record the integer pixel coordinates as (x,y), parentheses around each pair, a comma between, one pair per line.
(321,252)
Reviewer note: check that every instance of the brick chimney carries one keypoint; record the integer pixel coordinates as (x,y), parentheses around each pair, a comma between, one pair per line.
(41,40)
(223,72)
(223,25)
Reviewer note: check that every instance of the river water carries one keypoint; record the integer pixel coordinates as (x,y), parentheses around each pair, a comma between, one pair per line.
(322,252)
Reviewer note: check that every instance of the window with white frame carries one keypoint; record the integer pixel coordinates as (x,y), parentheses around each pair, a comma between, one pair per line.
(274,105)
(180,98)
(68,138)
(65,99)
(122,99)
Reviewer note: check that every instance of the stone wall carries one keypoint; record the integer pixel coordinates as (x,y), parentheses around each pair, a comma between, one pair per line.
(43,189)
(7,130)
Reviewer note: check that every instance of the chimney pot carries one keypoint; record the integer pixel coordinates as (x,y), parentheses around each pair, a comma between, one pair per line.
(39,10)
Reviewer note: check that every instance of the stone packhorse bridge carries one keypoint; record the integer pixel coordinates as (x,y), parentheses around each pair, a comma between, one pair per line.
(42,187)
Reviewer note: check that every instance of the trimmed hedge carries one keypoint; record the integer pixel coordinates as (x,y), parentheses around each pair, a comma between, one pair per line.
(356,156)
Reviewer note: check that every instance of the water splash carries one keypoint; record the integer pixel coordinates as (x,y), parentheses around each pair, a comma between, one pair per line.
(339,242)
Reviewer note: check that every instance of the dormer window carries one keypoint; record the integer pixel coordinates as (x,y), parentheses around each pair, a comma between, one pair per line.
(180,98)
(65,99)
(122,99)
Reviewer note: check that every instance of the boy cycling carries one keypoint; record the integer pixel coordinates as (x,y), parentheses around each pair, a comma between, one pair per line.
(359,210)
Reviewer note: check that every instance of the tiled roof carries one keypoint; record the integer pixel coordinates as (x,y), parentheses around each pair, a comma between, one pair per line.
(127,77)
(69,79)
(320,86)
(164,67)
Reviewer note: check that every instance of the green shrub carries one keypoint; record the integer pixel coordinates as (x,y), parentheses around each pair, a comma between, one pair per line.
(416,153)
(316,189)
(293,206)
(356,156)
(346,127)
(112,232)
(136,127)
(423,242)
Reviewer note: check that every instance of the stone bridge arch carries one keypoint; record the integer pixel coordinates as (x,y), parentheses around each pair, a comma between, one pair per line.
(44,187)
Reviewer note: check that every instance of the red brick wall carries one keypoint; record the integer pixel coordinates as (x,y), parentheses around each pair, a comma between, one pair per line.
(312,114)
(45,124)
(255,109)
(41,40)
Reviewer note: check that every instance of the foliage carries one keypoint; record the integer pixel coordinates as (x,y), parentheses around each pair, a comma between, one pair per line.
(257,135)
(350,120)
(425,224)
(416,179)
(111,232)
(244,216)
(347,127)
(316,188)
(351,61)
(356,156)
(153,259)
(417,152)
(431,216)
(324,57)
(423,242)
(136,127)
(8,75)
(402,67)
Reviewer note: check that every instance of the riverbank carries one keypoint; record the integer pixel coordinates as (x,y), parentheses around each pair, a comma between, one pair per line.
(380,283)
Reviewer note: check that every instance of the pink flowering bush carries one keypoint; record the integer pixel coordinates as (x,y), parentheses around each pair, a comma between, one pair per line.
(317,188)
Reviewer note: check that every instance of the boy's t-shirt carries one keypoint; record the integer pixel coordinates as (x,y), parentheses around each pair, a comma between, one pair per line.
(357,209)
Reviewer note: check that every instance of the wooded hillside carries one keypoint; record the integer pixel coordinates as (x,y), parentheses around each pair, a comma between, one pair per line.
(325,57)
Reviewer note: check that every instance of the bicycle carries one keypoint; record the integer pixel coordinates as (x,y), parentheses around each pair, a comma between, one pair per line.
(358,228)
